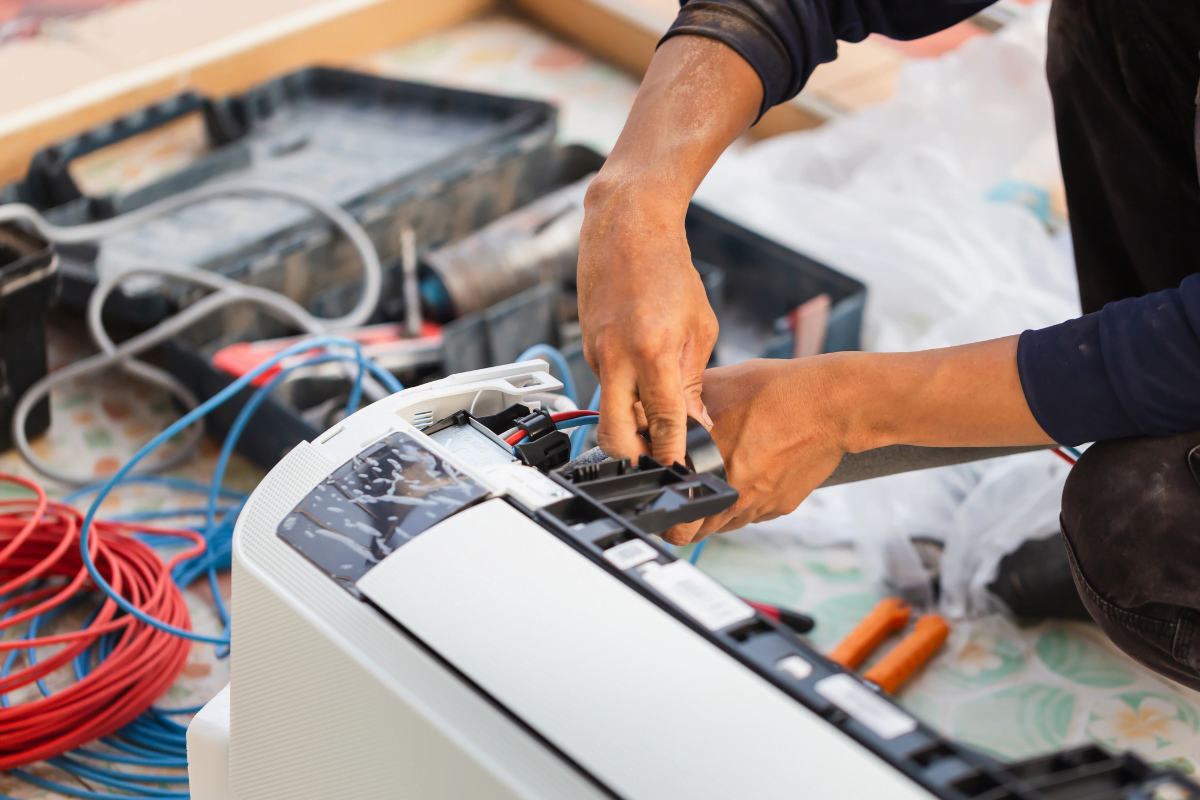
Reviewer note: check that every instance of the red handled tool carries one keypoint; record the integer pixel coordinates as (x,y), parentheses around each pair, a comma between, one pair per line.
(800,623)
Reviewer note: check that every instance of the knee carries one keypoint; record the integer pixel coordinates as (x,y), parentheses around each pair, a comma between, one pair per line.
(1132,502)
(1129,516)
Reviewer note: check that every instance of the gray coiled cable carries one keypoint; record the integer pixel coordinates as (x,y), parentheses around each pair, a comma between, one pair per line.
(226,292)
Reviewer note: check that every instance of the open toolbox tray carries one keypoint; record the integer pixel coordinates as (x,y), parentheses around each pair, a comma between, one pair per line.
(443,161)
(501,332)
(752,281)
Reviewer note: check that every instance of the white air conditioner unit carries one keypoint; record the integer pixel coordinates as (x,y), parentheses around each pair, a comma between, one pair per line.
(419,614)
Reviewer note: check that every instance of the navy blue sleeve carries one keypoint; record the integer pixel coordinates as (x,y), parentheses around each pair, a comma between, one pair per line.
(785,40)
(1132,368)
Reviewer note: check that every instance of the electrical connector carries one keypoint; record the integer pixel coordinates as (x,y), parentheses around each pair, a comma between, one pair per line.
(536,425)
(547,452)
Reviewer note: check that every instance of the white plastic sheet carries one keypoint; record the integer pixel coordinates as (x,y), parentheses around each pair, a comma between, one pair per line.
(897,195)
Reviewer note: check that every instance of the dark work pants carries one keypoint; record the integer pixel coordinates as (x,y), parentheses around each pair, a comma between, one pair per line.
(1124,76)
(1131,524)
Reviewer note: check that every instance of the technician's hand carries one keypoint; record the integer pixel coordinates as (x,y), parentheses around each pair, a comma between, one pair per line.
(783,425)
(648,328)
(776,434)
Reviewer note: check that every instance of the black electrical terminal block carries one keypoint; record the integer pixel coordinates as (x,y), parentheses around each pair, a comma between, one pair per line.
(1086,773)
(537,424)
(546,446)
(651,496)
(551,451)
(499,423)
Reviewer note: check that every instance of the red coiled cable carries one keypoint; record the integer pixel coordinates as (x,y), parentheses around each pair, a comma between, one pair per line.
(39,541)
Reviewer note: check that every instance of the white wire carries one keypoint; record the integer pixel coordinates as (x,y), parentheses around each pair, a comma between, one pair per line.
(226,292)
(478,395)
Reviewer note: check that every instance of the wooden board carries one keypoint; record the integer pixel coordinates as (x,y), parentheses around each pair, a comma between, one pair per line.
(148,51)
(627,31)
(119,60)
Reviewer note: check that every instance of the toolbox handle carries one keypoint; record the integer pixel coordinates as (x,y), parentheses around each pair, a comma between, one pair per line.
(48,182)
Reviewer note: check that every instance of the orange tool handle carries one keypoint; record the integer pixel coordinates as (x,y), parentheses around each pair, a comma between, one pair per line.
(889,616)
(910,654)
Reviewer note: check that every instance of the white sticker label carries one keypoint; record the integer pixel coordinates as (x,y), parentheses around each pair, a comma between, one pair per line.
(878,715)
(628,555)
(795,666)
(710,603)
(526,484)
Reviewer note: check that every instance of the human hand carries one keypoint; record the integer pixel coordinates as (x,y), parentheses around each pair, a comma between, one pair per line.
(772,421)
(783,425)
(648,328)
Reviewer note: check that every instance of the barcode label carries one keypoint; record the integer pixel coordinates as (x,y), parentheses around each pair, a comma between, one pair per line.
(710,603)
(872,711)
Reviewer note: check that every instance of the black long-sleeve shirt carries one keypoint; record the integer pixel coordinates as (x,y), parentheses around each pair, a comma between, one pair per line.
(1132,368)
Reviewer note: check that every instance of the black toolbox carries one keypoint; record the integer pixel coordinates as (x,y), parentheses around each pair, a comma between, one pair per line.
(393,153)
(496,334)
(450,164)
(29,285)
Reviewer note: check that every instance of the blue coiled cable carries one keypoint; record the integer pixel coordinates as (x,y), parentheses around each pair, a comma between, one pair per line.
(181,424)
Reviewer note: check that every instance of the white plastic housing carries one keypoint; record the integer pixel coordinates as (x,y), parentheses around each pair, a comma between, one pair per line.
(535,673)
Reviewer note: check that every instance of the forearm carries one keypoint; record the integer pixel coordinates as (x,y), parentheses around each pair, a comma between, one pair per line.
(784,425)
(967,396)
(697,97)
(647,327)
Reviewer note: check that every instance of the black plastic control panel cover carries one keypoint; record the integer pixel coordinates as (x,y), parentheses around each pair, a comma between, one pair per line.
(652,496)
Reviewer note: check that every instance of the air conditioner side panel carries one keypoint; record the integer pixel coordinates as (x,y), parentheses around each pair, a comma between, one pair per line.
(330,699)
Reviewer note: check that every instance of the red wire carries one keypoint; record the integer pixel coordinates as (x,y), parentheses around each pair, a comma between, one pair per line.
(1064,456)
(561,416)
(39,539)
(565,415)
